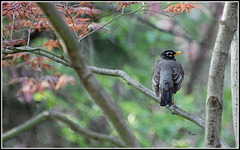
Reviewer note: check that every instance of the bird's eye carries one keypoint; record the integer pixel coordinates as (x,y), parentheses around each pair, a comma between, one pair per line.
(169,53)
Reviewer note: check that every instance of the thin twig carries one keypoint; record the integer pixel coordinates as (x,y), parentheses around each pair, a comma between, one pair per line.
(94,20)
(75,31)
(122,14)
(11,35)
(29,34)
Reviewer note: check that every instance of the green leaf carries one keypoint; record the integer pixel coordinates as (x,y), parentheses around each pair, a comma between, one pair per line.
(38,97)
(47,96)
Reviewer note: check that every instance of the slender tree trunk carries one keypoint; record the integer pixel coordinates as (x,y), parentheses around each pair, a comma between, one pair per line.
(214,101)
(92,85)
(235,86)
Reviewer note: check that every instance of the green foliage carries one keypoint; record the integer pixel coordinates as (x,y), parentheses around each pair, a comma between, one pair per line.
(180,144)
(47,96)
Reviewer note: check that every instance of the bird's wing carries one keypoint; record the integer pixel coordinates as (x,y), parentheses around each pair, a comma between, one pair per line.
(155,80)
(177,76)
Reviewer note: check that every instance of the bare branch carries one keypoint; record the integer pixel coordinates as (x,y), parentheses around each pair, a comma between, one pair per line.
(38,51)
(62,118)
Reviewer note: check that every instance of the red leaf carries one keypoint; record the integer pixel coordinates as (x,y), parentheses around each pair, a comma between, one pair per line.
(43,85)
(187,10)
(47,67)
(63,80)
(27,91)
(51,44)
(3,64)
(122,4)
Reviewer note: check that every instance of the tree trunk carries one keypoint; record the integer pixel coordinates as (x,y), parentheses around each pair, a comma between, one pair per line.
(235,86)
(93,86)
(214,101)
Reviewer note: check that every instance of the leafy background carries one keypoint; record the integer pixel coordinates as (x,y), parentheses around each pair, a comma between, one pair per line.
(133,47)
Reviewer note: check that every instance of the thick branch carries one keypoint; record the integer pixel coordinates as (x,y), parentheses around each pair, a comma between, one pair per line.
(55,115)
(227,28)
(93,86)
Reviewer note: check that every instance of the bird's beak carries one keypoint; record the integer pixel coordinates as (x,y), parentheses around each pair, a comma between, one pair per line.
(178,53)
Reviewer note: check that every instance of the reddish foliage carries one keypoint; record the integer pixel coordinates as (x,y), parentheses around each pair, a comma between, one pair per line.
(37,64)
(30,85)
(18,55)
(28,14)
(122,4)
(3,63)
(63,81)
(180,7)
(51,44)
(13,43)
(27,91)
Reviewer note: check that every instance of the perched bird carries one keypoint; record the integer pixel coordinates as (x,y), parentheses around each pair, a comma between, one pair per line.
(167,76)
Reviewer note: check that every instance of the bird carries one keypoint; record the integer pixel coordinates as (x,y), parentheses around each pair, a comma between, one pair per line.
(167,76)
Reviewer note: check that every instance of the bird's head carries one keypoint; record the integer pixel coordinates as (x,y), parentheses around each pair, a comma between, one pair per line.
(170,54)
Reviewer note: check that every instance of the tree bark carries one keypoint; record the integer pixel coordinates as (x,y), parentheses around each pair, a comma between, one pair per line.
(214,101)
(235,86)
(93,86)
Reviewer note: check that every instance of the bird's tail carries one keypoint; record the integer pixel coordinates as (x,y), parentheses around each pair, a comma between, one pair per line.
(166,97)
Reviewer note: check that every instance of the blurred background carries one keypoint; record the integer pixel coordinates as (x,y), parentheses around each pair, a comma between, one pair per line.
(133,45)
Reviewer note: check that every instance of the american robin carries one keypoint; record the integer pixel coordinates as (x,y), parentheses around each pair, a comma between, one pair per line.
(167,76)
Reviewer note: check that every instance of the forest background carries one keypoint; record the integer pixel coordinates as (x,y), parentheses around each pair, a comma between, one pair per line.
(133,36)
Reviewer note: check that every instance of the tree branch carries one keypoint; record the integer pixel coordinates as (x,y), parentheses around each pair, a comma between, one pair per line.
(39,51)
(24,127)
(62,118)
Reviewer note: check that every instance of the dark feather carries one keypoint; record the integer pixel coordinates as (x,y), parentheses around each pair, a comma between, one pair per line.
(166,98)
